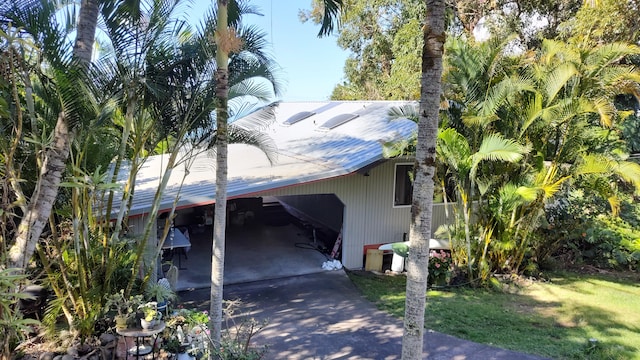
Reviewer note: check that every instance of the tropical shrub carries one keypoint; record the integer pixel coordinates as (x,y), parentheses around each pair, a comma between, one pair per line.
(82,277)
(582,230)
(517,131)
(13,326)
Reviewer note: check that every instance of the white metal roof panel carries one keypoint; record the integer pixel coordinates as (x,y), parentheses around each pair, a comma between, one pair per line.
(305,153)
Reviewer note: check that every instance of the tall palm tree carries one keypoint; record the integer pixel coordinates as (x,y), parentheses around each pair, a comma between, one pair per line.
(425,171)
(23,14)
(225,42)
(235,54)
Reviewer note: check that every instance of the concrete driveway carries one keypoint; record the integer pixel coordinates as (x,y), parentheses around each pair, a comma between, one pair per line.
(324,316)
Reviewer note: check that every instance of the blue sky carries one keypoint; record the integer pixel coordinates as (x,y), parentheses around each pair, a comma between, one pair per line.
(311,66)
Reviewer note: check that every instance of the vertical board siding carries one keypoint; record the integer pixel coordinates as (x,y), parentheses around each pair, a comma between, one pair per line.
(439,216)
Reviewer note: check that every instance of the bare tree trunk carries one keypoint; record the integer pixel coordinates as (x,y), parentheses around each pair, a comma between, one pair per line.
(425,169)
(55,158)
(220,216)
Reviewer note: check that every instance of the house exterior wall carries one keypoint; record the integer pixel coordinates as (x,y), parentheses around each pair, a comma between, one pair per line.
(369,214)
(137,224)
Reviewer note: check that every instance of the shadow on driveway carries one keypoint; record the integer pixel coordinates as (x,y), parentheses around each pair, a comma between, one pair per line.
(324,316)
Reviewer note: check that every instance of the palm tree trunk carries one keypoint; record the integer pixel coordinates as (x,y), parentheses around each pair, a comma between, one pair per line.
(425,171)
(86,31)
(55,158)
(220,218)
(43,198)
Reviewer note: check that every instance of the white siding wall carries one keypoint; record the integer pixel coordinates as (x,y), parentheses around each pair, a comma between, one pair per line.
(137,224)
(136,228)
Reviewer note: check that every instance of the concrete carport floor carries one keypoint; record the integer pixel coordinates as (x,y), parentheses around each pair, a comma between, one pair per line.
(252,252)
(324,316)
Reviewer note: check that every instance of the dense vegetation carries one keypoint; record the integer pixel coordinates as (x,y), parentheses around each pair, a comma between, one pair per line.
(537,125)
(149,90)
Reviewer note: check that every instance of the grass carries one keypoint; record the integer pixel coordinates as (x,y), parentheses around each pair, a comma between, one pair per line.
(555,318)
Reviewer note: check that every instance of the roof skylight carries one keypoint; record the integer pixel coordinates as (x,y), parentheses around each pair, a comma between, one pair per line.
(337,120)
(298,117)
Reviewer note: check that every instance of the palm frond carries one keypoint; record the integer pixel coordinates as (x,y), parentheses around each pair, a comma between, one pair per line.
(528,193)
(237,9)
(594,164)
(254,42)
(330,16)
(606,111)
(454,150)
(502,92)
(404,147)
(611,78)
(533,112)
(256,138)
(550,182)
(614,203)
(472,120)
(554,50)
(495,147)
(609,54)
(253,87)
(558,79)
(256,119)
(406,111)
(630,172)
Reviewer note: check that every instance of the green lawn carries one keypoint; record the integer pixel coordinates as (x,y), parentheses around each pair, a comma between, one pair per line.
(556,318)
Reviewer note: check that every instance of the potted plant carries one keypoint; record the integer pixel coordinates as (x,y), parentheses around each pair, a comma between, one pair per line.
(161,293)
(123,306)
(150,314)
(173,346)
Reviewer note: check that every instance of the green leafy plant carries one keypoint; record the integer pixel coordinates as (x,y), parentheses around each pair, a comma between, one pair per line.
(172,345)
(160,292)
(123,305)
(193,327)
(150,311)
(13,326)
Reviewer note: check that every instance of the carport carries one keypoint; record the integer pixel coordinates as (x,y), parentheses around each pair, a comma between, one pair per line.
(282,237)
(327,153)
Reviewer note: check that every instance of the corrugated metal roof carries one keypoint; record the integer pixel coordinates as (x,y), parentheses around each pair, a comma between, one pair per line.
(305,153)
